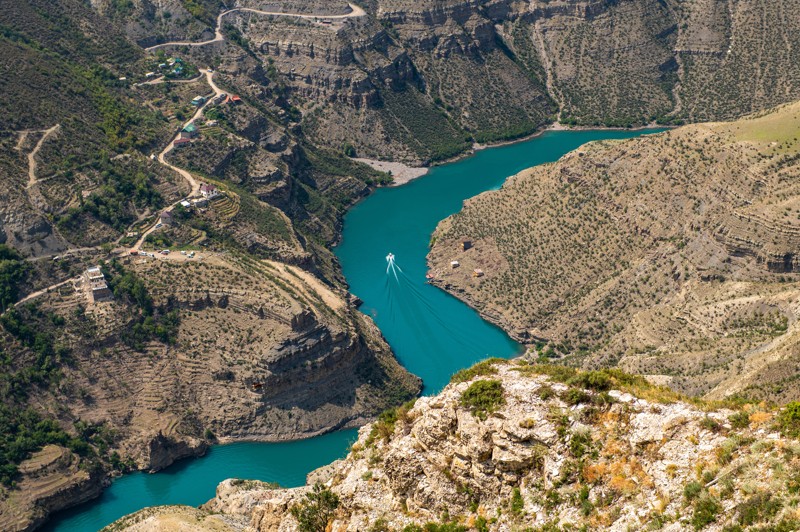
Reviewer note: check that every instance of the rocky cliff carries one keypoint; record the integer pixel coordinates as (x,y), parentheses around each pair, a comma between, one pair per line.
(510,445)
(668,255)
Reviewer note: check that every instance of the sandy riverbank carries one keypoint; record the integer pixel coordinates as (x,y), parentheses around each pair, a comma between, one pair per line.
(402,173)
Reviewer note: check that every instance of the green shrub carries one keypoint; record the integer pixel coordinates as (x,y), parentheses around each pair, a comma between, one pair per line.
(692,490)
(315,512)
(483,397)
(384,426)
(789,420)
(710,424)
(517,503)
(739,420)
(380,525)
(580,443)
(545,392)
(594,380)
(759,507)
(705,512)
(575,396)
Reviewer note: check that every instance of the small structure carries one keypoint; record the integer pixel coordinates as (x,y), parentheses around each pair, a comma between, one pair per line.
(167,218)
(465,244)
(232,99)
(198,101)
(211,123)
(477,272)
(150,75)
(200,202)
(181,142)
(189,132)
(454,264)
(186,205)
(209,191)
(96,286)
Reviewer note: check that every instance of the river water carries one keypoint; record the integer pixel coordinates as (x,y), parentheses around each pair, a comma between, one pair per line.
(433,334)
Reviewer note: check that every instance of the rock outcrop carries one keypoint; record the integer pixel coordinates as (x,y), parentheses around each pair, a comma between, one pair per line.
(50,480)
(548,452)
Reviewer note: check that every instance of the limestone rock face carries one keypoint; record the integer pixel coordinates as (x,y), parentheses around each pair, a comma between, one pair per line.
(613,461)
(164,451)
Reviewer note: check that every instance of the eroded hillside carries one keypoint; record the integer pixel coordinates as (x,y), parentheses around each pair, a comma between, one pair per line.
(512,446)
(671,255)
(189,352)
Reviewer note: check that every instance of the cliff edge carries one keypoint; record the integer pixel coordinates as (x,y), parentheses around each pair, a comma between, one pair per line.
(510,445)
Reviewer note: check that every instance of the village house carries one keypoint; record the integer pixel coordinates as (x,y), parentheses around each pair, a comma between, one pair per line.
(186,205)
(466,244)
(198,101)
(181,142)
(477,272)
(454,264)
(96,287)
(232,99)
(209,191)
(200,202)
(189,132)
(167,218)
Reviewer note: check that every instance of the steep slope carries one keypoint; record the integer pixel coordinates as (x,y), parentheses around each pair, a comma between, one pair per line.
(190,352)
(671,255)
(560,452)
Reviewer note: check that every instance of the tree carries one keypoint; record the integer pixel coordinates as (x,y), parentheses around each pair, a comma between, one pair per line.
(13,271)
(316,511)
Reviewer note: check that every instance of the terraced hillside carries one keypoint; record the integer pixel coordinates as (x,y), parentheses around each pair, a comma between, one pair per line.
(672,255)
(190,351)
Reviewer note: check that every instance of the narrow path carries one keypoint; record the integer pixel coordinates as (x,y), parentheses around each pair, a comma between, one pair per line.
(219,37)
(42,291)
(193,183)
(162,79)
(32,155)
(23,136)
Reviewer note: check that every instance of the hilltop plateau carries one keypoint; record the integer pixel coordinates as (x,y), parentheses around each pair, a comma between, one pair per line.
(670,255)
(512,446)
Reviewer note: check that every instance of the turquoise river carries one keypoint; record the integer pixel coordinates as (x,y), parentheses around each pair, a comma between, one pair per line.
(432,333)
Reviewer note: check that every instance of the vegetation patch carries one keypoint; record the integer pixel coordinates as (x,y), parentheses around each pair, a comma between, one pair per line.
(481,369)
(13,272)
(483,397)
(315,512)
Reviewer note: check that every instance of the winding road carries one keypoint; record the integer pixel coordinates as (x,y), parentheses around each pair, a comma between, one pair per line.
(193,183)
(356,11)
(219,37)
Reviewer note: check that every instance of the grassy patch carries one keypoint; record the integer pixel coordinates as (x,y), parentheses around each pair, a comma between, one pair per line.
(483,397)
(484,368)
